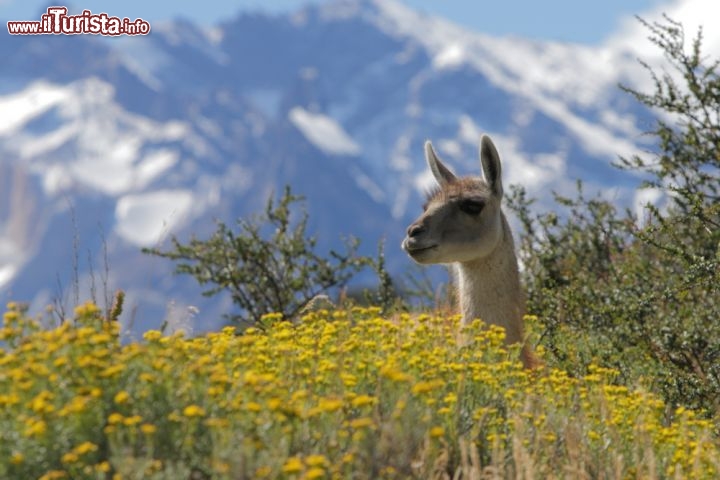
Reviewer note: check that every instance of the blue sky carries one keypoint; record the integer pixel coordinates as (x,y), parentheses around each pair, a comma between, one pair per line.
(562,20)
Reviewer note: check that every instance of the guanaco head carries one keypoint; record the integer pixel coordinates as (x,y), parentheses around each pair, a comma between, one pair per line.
(462,219)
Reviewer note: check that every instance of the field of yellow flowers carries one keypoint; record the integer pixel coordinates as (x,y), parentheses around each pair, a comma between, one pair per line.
(342,394)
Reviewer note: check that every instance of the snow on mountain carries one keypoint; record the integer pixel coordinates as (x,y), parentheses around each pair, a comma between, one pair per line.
(107,145)
(137,215)
(109,140)
(553,77)
(323,132)
(19,108)
(692,14)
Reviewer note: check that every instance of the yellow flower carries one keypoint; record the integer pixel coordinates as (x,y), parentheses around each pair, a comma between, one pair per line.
(425,387)
(330,404)
(60,361)
(394,374)
(121,397)
(316,461)
(112,370)
(101,353)
(9,400)
(362,422)
(85,447)
(317,374)
(115,418)
(271,318)
(362,400)
(148,428)
(133,420)
(40,403)
(274,403)
(8,332)
(194,411)
(98,338)
(314,473)
(292,465)
(87,309)
(70,457)
(152,335)
(35,428)
(86,361)
(348,379)
(229,331)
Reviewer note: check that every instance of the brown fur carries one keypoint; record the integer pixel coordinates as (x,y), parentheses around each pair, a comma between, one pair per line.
(477,241)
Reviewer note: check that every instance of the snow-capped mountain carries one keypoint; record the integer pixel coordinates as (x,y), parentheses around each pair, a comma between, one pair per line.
(111,144)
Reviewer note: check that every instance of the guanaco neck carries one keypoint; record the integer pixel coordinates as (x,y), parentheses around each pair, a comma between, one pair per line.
(489,288)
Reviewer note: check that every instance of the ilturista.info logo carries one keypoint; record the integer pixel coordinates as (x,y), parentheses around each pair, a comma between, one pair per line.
(57,22)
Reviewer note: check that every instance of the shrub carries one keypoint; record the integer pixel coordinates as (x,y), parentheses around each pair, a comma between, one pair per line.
(643,297)
(270,263)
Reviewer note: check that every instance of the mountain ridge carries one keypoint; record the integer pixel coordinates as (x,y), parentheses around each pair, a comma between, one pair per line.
(126,141)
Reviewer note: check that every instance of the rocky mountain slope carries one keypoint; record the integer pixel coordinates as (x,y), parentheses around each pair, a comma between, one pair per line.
(111,144)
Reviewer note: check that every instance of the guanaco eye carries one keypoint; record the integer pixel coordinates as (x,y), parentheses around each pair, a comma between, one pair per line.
(471,206)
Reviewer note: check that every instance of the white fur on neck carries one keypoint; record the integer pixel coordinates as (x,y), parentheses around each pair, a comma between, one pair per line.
(489,288)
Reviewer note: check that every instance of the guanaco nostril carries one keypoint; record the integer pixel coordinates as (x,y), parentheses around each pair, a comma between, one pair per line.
(414,230)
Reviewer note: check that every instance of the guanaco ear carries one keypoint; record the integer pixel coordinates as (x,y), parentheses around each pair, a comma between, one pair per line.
(490,162)
(442,174)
